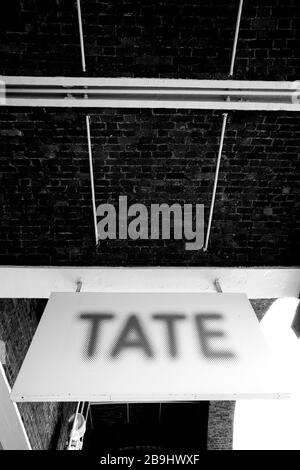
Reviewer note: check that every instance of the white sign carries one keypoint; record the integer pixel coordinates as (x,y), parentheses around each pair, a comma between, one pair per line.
(136,347)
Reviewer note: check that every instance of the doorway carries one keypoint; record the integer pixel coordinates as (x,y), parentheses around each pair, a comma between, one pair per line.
(147,427)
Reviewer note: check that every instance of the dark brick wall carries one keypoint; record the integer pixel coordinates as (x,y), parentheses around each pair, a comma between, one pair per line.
(269,41)
(39,37)
(162,38)
(45,423)
(152,156)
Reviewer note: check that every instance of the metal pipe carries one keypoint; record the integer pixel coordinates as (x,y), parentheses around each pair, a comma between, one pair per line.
(225,115)
(89,413)
(81,36)
(92,176)
(159,413)
(73,426)
(154,93)
(211,210)
(236,35)
(78,286)
(218,286)
(82,407)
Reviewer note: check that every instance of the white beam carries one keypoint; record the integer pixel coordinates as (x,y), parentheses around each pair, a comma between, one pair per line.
(146,82)
(172,104)
(12,431)
(151,93)
(39,282)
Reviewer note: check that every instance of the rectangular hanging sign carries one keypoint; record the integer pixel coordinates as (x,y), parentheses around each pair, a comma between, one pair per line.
(145,347)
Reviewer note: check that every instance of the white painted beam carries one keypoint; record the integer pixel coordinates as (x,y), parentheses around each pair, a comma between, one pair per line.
(172,104)
(12,431)
(147,82)
(39,282)
(151,93)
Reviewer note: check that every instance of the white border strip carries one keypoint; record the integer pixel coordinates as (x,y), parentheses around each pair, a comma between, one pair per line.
(39,282)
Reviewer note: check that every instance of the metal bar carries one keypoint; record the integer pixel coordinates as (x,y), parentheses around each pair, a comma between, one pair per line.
(92,177)
(159,413)
(15,80)
(211,210)
(151,103)
(89,413)
(236,35)
(82,407)
(73,425)
(124,91)
(225,115)
(81,36)
(79,286)
(218,286)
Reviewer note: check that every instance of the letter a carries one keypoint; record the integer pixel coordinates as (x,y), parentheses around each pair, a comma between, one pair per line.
(132,327)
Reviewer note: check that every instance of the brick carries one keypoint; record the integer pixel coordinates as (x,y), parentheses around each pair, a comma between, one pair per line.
(150,155)
(129,39)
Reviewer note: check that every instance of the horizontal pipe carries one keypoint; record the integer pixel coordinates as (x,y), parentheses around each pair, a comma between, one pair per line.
(151,93)
(154,103)
(147,82)
(133,91)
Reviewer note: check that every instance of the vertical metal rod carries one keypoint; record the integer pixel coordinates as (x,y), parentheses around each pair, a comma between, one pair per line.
(82,407)
(78,286)
(218,286)
(127,412)
(236,35)
(211,210)
(81,36)
(89,413)
(92,176)
(225,115)
(73,425)
(159,413)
